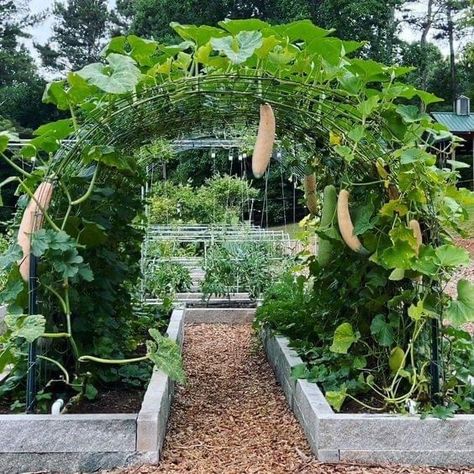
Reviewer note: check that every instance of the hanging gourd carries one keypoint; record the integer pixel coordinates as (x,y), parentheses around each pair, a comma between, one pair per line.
(32,221)
(265,140)
(415,227)
(310,193)
(328,220)
(346,228)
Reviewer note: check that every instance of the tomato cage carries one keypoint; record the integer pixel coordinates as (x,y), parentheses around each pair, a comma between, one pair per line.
(207,261)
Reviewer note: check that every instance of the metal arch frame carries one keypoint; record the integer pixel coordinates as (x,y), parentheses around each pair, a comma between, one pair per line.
(300,109)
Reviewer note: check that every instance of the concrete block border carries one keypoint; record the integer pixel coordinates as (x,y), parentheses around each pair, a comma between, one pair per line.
(89,443)
(383,438)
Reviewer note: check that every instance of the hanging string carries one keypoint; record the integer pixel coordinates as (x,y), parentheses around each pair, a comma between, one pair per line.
(231,159)
(283,195)
(294,198)
(244,158)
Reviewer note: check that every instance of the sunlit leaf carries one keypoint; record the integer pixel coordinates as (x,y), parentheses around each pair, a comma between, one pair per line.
(240,48)
(119,77)
(336,398)
(461,310)
(343,339)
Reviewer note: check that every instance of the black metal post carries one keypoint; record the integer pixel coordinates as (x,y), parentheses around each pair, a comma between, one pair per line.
(435,361)
(32,309)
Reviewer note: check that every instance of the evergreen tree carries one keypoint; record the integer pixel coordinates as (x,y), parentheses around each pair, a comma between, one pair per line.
(79,34)
(16,64)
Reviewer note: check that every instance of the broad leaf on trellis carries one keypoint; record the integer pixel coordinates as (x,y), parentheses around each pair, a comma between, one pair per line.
(28,327)
(452,256)
(108,155)
(197,34)
(239,48)
(461,310)
(165,354)
(382,331)
(119,77)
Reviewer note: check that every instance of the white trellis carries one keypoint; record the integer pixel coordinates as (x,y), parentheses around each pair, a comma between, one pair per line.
(277,244)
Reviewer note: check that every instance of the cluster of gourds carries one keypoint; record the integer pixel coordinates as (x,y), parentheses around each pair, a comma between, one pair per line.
(334,206)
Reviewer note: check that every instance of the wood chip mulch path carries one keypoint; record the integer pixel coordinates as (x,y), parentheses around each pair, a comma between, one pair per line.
(232,418)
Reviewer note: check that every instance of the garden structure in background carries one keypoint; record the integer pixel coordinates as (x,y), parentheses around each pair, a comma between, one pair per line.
(368,313)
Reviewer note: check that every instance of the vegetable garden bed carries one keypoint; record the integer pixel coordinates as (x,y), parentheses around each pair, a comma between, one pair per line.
(386,438)
(90,442)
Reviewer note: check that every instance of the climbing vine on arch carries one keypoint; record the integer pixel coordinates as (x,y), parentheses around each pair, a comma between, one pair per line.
(360,131)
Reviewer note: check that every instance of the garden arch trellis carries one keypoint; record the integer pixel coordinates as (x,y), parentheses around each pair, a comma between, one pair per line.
(350,108)
(180,107)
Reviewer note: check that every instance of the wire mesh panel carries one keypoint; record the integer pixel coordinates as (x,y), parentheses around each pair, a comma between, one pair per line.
(194,247)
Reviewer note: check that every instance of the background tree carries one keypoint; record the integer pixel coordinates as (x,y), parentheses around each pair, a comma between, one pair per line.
(79,34)
(16,64)
(444,20)
(450,25)
(21,86)
(372,21)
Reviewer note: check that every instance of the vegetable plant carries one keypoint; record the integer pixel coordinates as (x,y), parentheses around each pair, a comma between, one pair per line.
(361,132)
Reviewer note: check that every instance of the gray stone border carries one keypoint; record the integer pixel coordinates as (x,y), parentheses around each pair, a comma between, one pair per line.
(220,315)
(153,416)
(383,438)
(88,443)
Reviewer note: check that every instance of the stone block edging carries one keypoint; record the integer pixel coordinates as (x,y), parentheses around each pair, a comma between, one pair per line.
(153,416)
(381,438)
(91,442)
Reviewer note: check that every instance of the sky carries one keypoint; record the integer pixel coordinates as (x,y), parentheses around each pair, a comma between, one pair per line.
(41,32)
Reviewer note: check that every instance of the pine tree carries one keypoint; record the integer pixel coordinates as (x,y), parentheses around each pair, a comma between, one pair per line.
(16,64)
(79,34)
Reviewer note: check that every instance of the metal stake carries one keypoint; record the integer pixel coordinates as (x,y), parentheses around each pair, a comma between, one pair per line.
(32,309)
(435,362)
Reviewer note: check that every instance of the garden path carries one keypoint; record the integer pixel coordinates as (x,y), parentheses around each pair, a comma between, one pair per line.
(232,418)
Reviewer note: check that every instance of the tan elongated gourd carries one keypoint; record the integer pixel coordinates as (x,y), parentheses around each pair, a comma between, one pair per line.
(32,221)
(265,139)
(346,228)
(415,227)
(310,193)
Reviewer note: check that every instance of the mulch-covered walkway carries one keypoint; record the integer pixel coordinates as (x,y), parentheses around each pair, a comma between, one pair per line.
(232,418)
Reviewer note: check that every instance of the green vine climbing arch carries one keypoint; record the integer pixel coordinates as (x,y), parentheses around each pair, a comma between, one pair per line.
(355,117)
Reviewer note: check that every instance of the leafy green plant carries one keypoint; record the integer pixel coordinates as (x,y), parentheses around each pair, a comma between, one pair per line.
(360,132)
(165,279)
(247,266)
(220,200)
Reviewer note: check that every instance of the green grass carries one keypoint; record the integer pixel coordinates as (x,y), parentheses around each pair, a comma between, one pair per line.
(293,230)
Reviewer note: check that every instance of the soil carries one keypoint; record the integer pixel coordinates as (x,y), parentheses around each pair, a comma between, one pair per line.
(351,406)
(111,401)
(5,406)
(232,417)
(108,401)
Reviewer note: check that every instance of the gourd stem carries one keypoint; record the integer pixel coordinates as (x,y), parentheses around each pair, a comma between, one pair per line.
(56,363)
(15,166)
(99,360)
(89,190)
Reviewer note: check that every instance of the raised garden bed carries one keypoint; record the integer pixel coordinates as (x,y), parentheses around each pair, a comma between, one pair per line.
(374,438)
(90,442)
